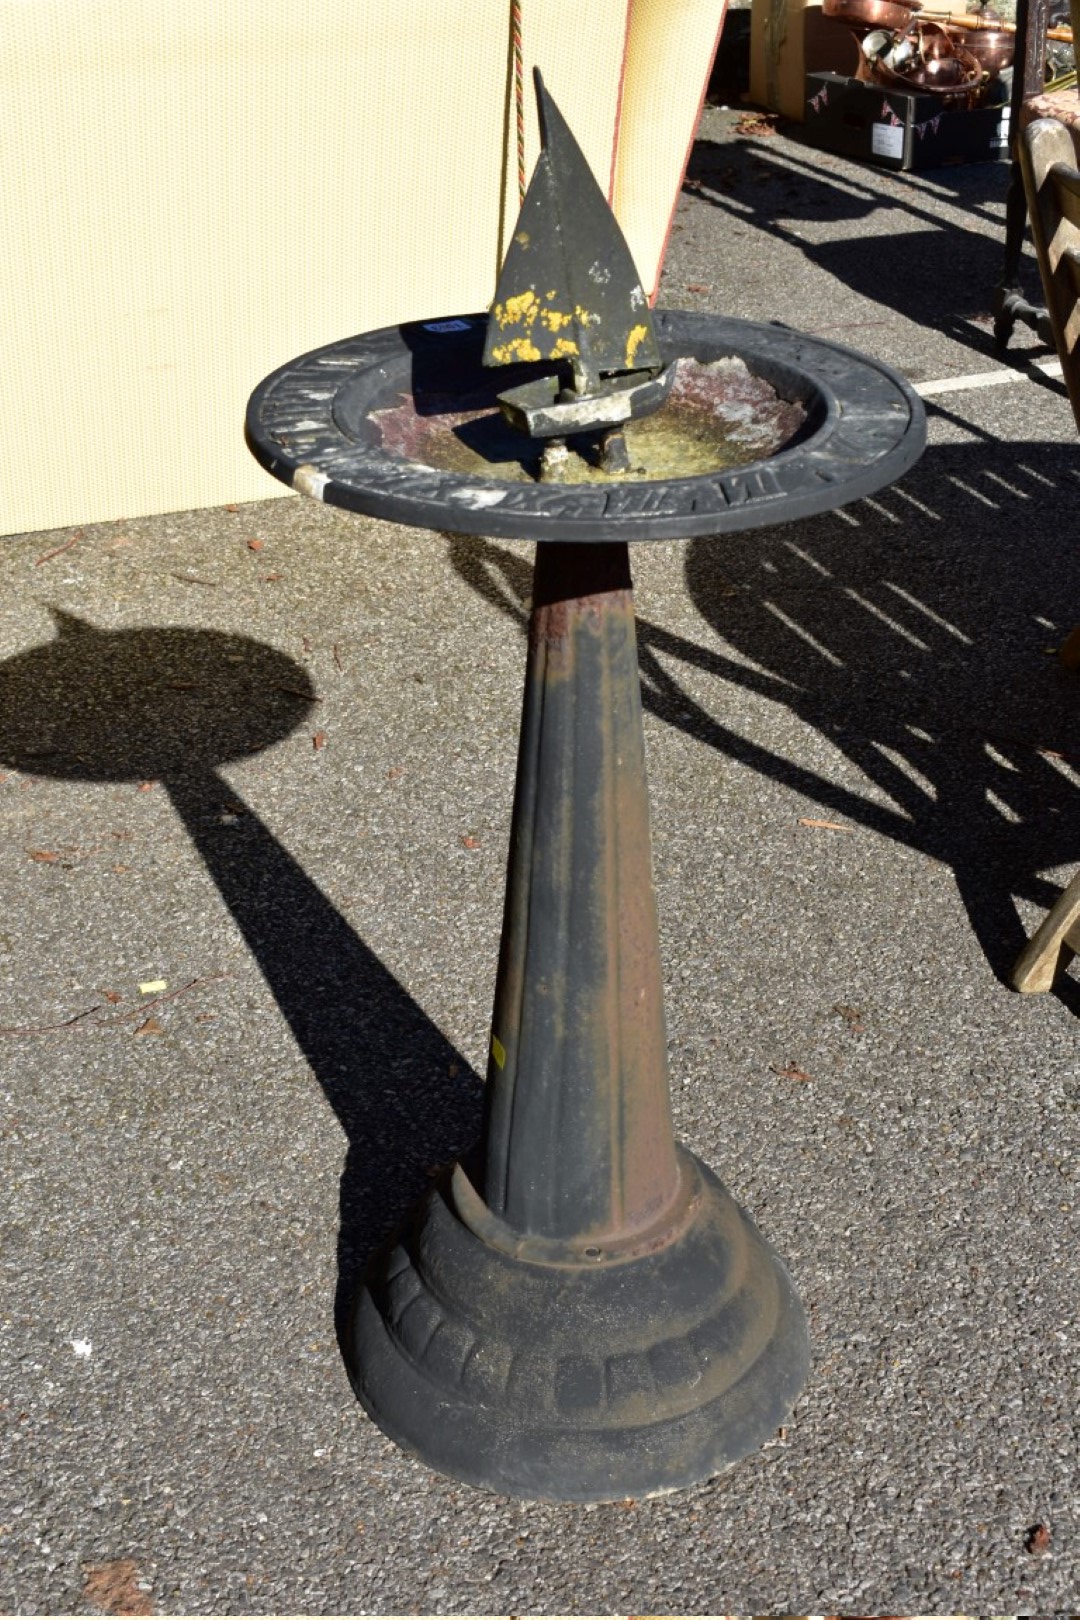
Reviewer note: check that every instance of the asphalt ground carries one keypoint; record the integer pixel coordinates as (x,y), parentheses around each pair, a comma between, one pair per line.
(266,757)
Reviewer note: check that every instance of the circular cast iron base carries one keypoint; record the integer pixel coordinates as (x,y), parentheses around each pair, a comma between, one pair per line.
(584,1382)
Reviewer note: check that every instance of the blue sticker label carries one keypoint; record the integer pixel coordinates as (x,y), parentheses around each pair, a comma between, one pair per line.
(447,326)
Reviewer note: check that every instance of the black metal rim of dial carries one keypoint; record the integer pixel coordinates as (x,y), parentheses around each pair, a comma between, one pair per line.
(310,424)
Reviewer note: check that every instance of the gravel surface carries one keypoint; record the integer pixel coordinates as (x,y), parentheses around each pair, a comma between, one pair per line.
(266,756)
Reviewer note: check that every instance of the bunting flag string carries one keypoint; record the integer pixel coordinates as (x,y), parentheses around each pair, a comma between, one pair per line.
(928,124)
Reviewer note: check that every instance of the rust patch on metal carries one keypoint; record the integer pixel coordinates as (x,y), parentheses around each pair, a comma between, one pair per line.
(551,626)
(573,586)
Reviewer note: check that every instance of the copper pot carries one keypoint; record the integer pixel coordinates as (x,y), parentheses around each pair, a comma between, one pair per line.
(916,82)
(942,73)
(992,48)
(938,67)
(870,14)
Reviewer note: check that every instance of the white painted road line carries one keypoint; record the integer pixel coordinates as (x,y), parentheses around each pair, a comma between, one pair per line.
(987,379)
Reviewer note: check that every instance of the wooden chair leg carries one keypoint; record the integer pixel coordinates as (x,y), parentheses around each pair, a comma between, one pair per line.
(1052,945)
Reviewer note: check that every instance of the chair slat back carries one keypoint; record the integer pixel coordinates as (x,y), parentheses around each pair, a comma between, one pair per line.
(1048,161)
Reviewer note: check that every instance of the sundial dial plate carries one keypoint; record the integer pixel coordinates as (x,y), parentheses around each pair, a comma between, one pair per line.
(313,424)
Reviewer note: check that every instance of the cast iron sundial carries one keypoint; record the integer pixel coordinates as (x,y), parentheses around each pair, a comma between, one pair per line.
(581,1312)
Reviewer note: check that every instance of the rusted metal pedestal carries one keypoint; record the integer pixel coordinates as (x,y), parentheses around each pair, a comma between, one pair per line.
(582,1312)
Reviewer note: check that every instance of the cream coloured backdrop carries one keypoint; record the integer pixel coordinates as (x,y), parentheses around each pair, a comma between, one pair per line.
(190,195)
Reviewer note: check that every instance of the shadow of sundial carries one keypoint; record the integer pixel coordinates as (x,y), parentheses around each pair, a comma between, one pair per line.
(174,705)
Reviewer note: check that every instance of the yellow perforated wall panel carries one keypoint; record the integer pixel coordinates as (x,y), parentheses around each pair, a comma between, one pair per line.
(191,195)
(670,49)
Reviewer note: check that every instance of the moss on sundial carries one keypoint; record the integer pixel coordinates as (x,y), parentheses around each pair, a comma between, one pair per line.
(718,415)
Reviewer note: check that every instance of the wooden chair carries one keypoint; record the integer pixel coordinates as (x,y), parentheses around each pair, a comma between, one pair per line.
(1030,101)
(1051,183)
(1052,946)
(1048,162)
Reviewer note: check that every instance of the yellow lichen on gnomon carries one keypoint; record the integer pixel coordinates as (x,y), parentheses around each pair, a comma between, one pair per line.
(634,340)
(519,311)
(517,349)
(554,319)
(565,349)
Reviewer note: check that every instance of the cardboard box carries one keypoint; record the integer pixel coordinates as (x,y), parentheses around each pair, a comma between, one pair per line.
(788,40)
(897,129)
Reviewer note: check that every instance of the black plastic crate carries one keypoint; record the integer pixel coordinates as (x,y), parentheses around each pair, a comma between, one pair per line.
(897,129)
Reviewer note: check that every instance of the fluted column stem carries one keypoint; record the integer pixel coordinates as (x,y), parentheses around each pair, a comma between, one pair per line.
(578,1138)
